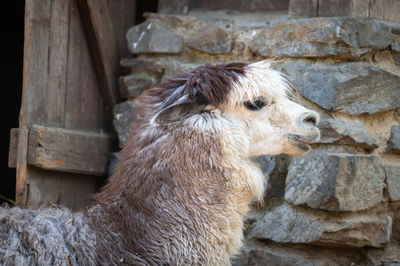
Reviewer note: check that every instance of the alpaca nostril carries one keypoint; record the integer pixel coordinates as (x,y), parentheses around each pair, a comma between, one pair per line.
(311,119)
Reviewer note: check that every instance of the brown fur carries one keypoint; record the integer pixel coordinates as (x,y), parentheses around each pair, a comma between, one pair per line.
(208,83)
(185,180)
(168,200)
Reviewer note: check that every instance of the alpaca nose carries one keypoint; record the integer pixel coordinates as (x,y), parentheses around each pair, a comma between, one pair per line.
(310,118)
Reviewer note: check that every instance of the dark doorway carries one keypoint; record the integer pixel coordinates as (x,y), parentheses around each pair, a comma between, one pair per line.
(12,47)
(144,6)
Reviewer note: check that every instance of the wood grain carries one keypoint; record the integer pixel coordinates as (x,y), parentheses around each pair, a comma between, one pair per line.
(303,8)
(122,13)
(60,90)
(50,188)
(68,150)
(97,24)
(83,104)
(56,62)
(13,148)
(333,8)
(360,8)
(385,10)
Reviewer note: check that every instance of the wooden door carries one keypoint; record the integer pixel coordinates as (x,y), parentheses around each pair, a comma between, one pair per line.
(65,134)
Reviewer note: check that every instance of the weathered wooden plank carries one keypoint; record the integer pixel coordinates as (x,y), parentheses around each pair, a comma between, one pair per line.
(13,149)
(46,35)
(385,10)
(334,8)
(36,55)
(97,25)
(69,150)
(360,8)
(83,103)
(37,23)
(122,13)
(57,62)
(377,9)
(21,187)
(303,8)
(54,93)
(42,78)
(56,188)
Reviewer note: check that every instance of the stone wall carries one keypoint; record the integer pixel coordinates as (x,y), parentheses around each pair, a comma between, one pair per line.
(339,204)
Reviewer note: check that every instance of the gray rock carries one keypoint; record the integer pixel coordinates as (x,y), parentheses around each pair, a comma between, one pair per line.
(211,39)
(395,46)
(173,21)
(176,67)
(286,224)
(124,114)
(393,144)
(346,133)
(267,164)
(133,85)
(260,255)
(319,37)
(354,87)
(393,182)
(149,37)
(267,253)
(146,65)
(396,58)
(335,182)
(275,169)
(387,256)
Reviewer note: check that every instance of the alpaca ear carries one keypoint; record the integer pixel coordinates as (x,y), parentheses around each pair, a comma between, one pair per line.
(178,112)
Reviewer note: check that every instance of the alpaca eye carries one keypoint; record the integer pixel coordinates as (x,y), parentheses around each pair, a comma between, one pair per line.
(256,105)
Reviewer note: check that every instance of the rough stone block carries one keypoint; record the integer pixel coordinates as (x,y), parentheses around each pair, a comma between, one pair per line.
(149,37)
(212,39)
(176,67)
(267,253)
(319,37)
(354,87)
(185,26)
(124,114)
(387,256)
(393,144)
(143,65)
(133,85)
(346,133)
(335,182)
(393,182)
(287,224)
(260,255)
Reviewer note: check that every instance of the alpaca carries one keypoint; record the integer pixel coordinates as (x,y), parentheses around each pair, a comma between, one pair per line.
(185,179)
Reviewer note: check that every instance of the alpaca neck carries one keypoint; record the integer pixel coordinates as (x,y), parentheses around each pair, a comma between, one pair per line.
(179,190)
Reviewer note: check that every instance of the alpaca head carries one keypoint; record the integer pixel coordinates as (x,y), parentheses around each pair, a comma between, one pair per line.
(248,104)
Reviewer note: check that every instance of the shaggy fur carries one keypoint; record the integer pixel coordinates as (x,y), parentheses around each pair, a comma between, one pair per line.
(185,179)
(52,236)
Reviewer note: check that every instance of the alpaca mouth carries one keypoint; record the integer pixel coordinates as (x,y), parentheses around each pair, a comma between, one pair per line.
(302,142)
